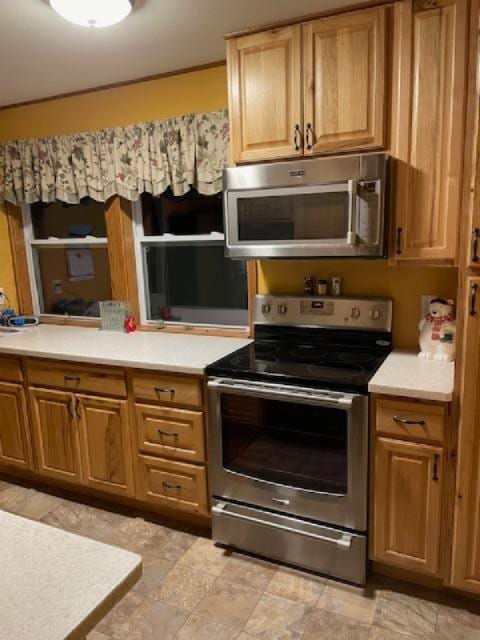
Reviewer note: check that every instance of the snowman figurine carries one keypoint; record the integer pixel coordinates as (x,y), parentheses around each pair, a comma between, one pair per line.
(437,331)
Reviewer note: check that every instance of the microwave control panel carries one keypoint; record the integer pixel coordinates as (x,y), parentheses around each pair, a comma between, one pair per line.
(367,210)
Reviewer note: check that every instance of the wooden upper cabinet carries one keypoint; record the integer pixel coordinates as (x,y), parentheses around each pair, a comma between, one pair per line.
(430,116)
(55,434)
(344,82)
(265,94)
(466,540)
(15,446)
(105,444)
(407,509)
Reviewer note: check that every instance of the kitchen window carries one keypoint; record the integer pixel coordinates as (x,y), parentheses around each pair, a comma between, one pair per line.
(184,276)
(67,253)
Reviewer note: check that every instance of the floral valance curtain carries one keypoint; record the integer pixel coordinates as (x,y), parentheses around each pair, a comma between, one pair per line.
(191,150)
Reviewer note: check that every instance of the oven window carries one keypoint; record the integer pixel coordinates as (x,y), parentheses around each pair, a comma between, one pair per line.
(301,216)
(297,445)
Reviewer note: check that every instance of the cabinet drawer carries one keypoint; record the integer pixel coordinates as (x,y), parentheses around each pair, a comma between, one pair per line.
(171,433)
(103,381)
(10,370)
(176,485)
(165,389)
(413,420)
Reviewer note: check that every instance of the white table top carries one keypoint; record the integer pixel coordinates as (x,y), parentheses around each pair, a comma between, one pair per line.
(143,349)
(405,374)
(56,585)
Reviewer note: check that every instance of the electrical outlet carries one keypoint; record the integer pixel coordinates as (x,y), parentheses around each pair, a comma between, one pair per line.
(57,287)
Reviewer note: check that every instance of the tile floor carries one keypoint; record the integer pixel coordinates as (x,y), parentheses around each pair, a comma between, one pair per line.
(193,590)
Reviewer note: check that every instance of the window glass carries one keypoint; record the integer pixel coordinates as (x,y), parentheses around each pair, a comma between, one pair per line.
(72,281)
(195,284)
(190,214)
(60,220)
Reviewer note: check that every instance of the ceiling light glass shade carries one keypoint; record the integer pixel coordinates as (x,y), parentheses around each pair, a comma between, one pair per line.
(93,13)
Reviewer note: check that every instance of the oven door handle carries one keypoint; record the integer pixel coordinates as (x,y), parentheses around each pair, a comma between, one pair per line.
(345,542)
(292,393)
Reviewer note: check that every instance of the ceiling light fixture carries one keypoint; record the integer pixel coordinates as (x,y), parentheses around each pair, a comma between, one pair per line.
(93,13)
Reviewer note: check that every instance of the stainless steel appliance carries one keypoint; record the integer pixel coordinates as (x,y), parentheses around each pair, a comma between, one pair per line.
(306,208)
(288,432)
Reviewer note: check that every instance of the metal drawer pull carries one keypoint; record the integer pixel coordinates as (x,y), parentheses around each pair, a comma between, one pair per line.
(345,542)
(170,485)
(167,433)
(475,235)
(164,390)
(72,378)
(400,420)
(473,299)
(399,240)
(436,459)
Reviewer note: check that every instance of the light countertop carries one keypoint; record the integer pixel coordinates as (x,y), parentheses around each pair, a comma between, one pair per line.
(143,349)
(56,585)
(405,374)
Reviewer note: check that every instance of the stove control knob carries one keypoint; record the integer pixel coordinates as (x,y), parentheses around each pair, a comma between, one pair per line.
(266,308)
(355,313)
(374,313)
(282,309)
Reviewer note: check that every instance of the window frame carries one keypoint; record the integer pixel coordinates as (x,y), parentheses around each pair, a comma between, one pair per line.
(141,240)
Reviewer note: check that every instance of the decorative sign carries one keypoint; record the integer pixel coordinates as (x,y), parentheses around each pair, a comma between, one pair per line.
(80,264)
(113,315)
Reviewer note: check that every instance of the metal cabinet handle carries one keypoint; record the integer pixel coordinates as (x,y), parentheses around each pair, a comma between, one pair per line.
(164,390)
(72,378)
(171,485)
(473,299)
(78,409)
(71,408)
(400,420)
(309,136)
(436,459)
(297,137)
(475,236)
(399,240)
(167,433)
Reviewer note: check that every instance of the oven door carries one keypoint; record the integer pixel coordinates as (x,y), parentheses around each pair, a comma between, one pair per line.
(293,450)
(291,221)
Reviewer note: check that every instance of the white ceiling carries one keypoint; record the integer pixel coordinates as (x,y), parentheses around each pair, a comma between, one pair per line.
(43,55)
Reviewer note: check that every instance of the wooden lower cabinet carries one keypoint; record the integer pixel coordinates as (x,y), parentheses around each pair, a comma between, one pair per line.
(173,484)
(15,446)
(55,434)
(407,505)
(105,444)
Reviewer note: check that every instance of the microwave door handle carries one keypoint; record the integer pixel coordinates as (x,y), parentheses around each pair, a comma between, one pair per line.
(352,199)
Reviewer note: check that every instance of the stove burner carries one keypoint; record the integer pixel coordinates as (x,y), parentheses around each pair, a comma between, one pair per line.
(304,352)
(356,357)
(245,360)
(336,370)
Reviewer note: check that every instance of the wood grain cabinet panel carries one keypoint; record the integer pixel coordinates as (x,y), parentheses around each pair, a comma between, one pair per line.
(265,95)
(344,81)
(15,446)
(172,433)
(55,434)
(407,510)
(411,420)
(173,484)
(427,169)
(105,444)
(10,370)
(465,572)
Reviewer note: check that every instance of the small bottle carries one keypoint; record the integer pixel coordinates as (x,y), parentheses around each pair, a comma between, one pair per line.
(322,287)
(336,286)
(308,285)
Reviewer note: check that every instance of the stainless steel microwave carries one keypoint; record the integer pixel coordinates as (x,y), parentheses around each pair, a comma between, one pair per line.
(323,207)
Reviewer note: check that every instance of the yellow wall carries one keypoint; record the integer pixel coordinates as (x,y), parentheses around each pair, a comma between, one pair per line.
(6,269)
(205,91)
(367,278)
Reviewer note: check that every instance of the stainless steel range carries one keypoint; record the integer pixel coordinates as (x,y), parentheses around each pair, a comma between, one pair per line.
(288,432)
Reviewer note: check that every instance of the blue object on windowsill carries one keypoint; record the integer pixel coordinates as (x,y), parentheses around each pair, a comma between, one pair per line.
(80,230)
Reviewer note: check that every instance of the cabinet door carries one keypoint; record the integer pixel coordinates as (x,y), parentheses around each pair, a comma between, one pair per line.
(265,98)
(344,82)
(408,490)
(105,442)
(466,540)
(55,434)
(427,170)
(15,448)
